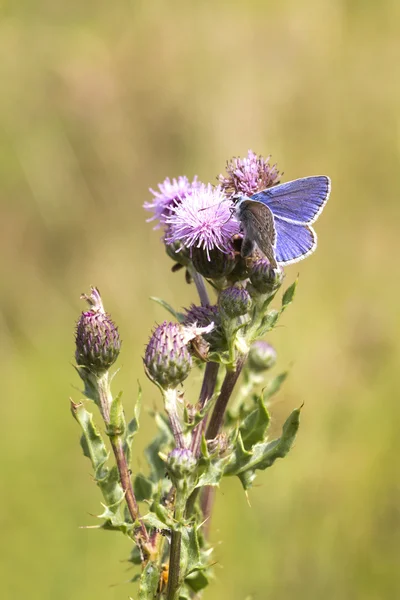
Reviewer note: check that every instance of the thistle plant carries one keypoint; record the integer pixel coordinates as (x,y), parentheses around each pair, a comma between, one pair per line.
(224,431)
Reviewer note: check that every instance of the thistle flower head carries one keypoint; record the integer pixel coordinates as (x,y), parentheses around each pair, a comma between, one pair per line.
(97,339)
(262,356)
(203,220)
(234,302)
(167,358)
(170,193)
(246,176)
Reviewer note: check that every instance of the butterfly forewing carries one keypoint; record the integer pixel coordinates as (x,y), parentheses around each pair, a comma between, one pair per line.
(300,201)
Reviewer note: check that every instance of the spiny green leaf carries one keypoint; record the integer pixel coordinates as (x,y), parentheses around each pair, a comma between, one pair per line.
(212,472)
(117,425)
(255,425)
(143,488)
(178,316)
(274,385)
(149,581)
(244,463)
(133,427)
(288,295)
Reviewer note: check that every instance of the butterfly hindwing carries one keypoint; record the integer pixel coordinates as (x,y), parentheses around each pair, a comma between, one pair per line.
(258,226)
(293,241)
(300,201)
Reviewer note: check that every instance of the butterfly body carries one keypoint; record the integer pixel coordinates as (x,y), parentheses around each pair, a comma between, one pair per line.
(278,219)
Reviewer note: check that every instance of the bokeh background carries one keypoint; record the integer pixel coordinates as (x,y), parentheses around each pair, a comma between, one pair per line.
(100,100)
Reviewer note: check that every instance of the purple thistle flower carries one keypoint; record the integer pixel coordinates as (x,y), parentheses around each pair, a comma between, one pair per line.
(203,220)
(248,175)
(170,194)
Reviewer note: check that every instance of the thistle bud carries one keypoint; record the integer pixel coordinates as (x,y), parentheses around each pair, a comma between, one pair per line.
(234,302)
(265,278)
(204,316)
(167,358)
(262,356)
(97,339)
(180,463)
(214,264)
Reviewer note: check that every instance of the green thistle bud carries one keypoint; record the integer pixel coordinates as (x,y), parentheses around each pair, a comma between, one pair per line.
(234,302)
(265,278)
(216,266)
(97,339)
(262,356)
(167,358)
(180,463)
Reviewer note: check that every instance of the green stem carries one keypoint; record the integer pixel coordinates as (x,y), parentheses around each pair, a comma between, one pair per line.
(174,574)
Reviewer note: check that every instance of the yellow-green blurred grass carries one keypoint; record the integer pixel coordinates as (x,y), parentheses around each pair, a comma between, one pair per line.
(99,101)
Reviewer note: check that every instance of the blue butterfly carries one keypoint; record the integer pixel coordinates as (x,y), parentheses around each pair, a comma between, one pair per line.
(278,220)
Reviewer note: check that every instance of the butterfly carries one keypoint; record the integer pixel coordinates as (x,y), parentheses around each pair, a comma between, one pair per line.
(278,219)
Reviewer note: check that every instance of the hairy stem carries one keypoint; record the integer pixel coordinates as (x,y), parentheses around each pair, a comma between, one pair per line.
(126,483)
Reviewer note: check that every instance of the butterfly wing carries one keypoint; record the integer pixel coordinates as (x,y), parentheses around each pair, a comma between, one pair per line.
(293,241)
(299,201)
(258,227)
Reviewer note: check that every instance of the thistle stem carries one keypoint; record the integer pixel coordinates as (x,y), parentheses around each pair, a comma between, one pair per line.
(201,287)
(206,392)
(170,403)
(174,577)
(217,417)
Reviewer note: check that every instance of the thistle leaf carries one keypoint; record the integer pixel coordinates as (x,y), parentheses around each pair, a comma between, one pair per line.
(244,463)
(255,425)
(178,316)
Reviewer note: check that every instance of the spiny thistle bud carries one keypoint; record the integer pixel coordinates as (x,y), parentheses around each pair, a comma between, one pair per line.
(234,302)
(262,356)
(180,463)
(97,339)
(264,277)
(167,358)
(213,264)
(203,316)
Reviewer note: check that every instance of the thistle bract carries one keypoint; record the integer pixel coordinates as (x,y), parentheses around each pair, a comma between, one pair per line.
(234,302)
(167,358)
(264,277)
(97,339)
(180,462)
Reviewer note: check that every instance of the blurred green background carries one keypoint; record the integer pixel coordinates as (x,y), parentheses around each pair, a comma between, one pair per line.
(98,102)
